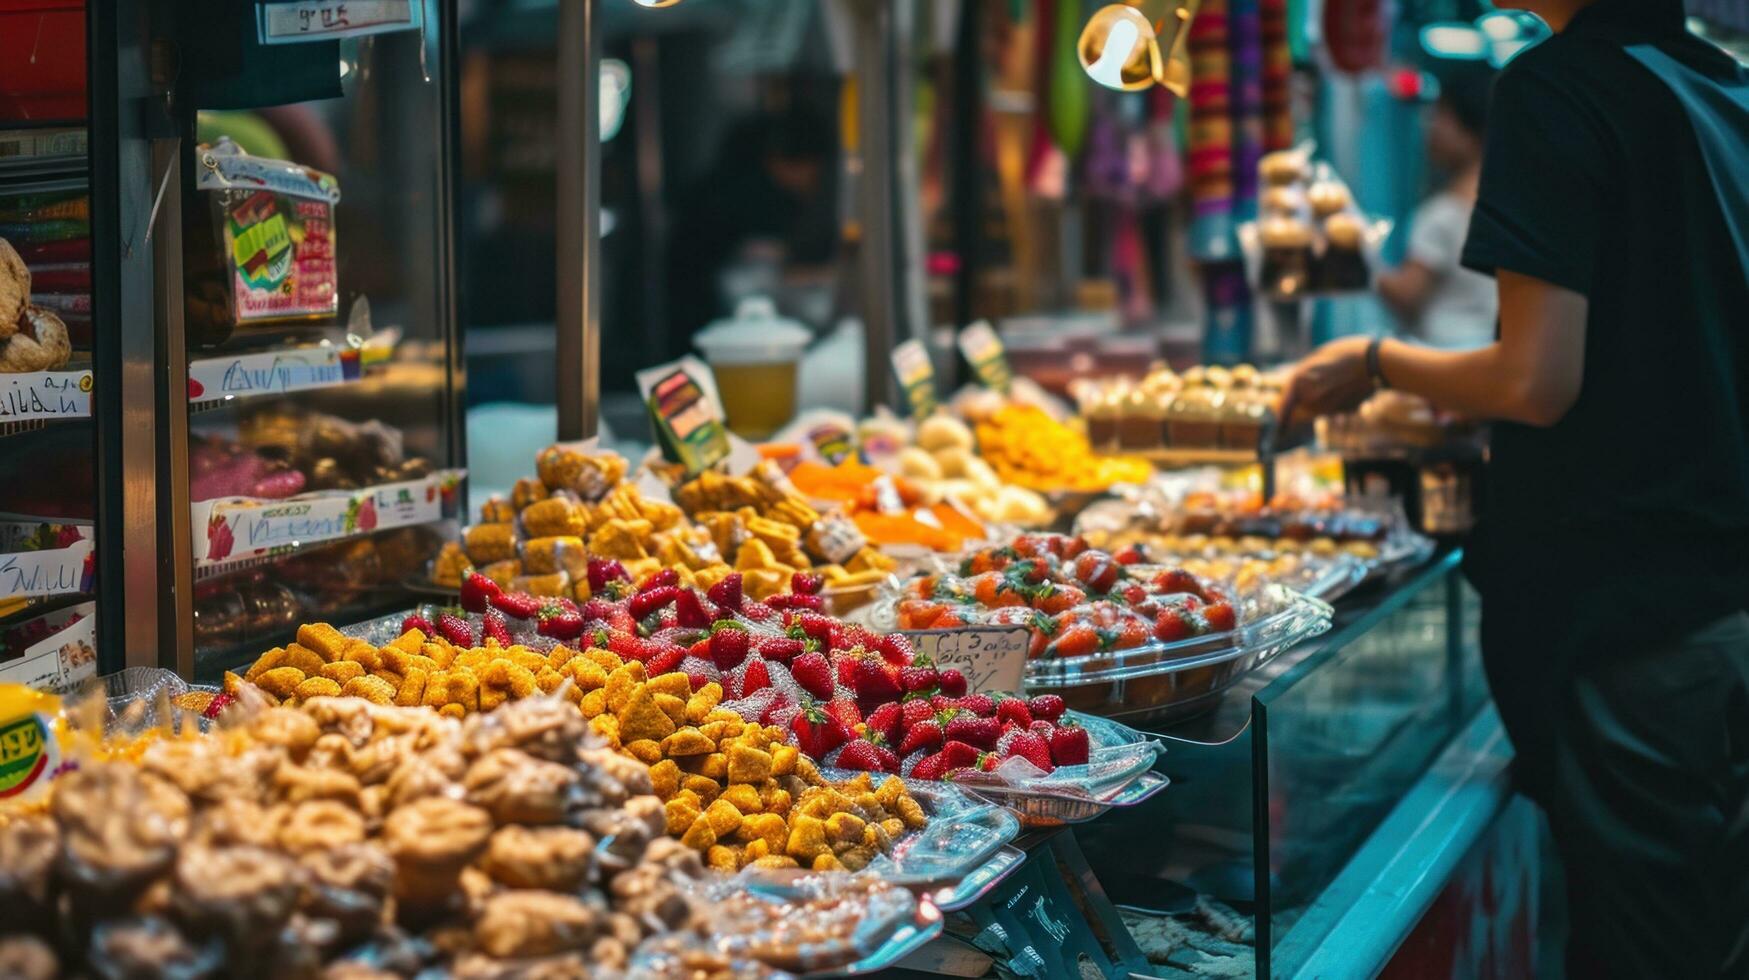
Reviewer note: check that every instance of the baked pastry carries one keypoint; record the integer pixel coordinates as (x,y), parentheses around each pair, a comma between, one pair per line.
(39,343)
(14,289)
(1327,197)
(488,543)
(1282,167)
(1193,420)
(555,516)
(1285,201)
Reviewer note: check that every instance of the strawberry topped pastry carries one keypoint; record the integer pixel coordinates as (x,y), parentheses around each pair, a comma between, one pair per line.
(1076,599)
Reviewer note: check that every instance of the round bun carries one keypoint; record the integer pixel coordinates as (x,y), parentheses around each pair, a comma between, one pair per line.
(1282,167)
(1281,232)
(1283,201)
(1327,197)
(1343,231)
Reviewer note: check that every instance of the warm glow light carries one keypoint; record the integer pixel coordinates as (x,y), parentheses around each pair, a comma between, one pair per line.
(655,3)
(1118,49)
(1450,39)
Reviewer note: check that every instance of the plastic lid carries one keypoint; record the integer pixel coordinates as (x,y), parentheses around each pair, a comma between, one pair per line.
(755,333)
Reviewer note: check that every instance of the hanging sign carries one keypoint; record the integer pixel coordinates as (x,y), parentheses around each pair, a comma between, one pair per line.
(271,372)
(916,374)
(55,571)
(294,21)
(45,395)
(984,352)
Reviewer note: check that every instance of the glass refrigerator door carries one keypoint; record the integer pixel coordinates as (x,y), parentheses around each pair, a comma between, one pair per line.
(48,436)
(323,377)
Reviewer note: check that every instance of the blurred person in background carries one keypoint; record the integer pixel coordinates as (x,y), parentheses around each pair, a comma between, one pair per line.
(1436,299)
(1613,553)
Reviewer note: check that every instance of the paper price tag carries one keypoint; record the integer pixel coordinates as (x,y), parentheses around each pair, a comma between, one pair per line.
(687,413)
(274,372)
(993,658)
(916,374)
(51,572)
(237,528)
(325,20)
(983,350)
(59,662)
(45,395)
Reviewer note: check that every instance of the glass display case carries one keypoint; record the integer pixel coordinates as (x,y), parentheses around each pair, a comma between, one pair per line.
(309,436)
(50,486)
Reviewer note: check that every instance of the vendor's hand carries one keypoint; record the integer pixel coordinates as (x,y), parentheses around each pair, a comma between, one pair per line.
(1332,378)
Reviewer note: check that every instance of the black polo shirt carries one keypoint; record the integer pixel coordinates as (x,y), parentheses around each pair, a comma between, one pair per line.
(1625,524)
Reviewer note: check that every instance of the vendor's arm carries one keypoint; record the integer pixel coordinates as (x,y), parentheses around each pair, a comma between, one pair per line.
(1530,375)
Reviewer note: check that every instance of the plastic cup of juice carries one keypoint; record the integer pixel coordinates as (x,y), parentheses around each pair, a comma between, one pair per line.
(754,357)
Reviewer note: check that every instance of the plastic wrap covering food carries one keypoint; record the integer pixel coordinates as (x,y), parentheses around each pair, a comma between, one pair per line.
(345,835)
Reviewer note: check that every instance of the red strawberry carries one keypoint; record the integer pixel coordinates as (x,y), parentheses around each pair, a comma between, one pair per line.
(700,649)
(1013,711)
(811,625)
(916,711)
(922,735)
(1042,729)
(844,709)
(650,600)
(959,755)
(729,645)
(1134,593)
(813,674)
(757,611)
(806,583)
(455,629)
(1046,707)
(604,570)
(1173,580)
(873,679)
(727,593)
(918,679)
(896,649)
(624,645)
(1130,555)
(930,767)
(219,703)
(989,761)
(845,636)
(812,603)
(1171,625)
(694,610)
(518,604)
(493,627)
(699,678)
(665,662)
(982,704)
(889,758)
(1097,570)
(817,732)
(1030,747)
(559,623)
(884,721)
(860,755)
(755,678)
(979,732)
(1220,617)
(781,649)
(1069,745)
(953,683)
(420,623)
(477,592)
(599,610)
(666,578)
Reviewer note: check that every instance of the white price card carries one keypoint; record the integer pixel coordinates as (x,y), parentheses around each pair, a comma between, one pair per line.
(45,395)
(238,528)
(59,662)
(993,658)
(983,350)
(292,21)
(269,373)
(916,376)
(54,571)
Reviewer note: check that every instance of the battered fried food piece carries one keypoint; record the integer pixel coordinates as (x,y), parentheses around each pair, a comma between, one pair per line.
(319,825)
(431,840)
(348,886)
(241,894)
(516,787)
(552,858)
(119,826)
(534,923)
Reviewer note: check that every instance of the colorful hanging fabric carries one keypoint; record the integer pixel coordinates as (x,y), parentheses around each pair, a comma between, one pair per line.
(1278,67)
(1245,36)
(1211,134)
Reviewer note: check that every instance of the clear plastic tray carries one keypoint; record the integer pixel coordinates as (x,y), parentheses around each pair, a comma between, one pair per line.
(964,832)
(1120,758)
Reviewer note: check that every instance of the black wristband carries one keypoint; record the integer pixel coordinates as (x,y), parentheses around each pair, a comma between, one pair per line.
(1373,370)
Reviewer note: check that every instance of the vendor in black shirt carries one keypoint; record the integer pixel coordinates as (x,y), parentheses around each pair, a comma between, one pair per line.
(1613,560)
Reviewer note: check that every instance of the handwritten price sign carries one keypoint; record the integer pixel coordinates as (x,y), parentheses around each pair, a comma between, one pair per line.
(993,658)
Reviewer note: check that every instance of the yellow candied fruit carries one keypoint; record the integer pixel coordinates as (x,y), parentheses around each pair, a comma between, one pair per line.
(724,818)
(673,684)
(317,687)
(645,751)
(748,765)
(723,858)
(665,778)
(744,798)
(687,741)
(681,814)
